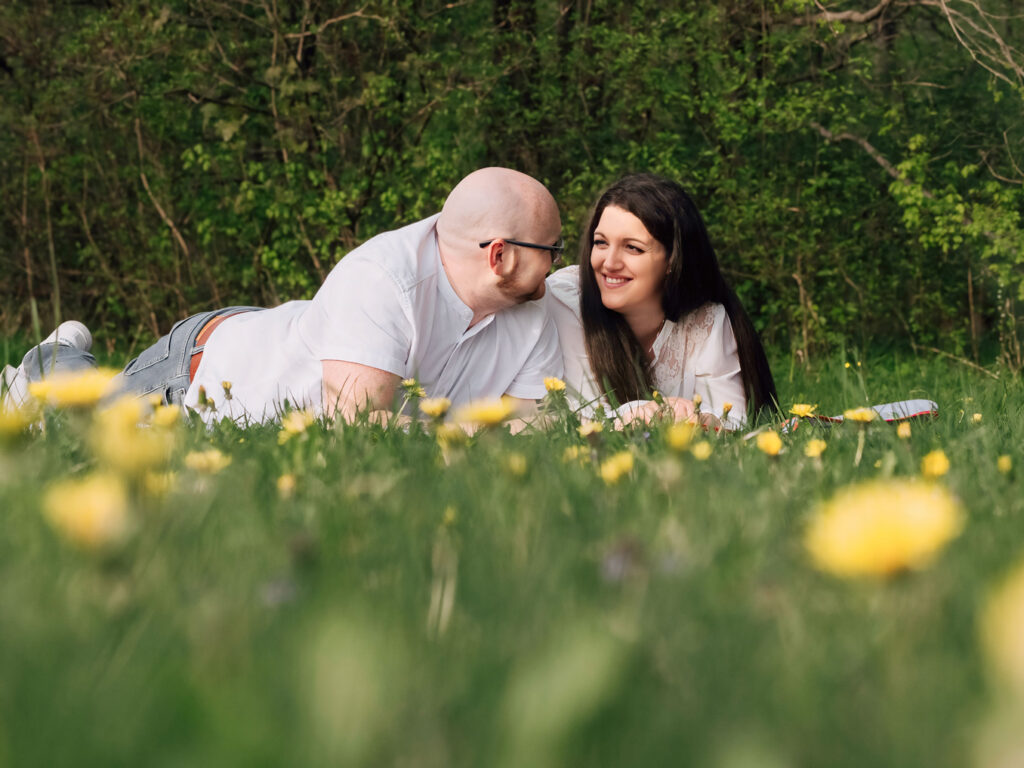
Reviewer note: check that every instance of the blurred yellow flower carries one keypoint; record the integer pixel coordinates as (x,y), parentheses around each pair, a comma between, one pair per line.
(575,453)
(903,430)
(435,407)
(697,400)
(701,451)
(862,415)
(159,483)
(769,442)
(13,421)
(614,467)
(450,515)
(803,410)
(486,413)
(935,464)
(91,512)
(286,485)
(121,438)
(815,448)
(976,418)
(1004,464)
(554,384)
(208,462)
(295,423)
(588,428)
(515,463)
(450,434)
(1002,629)
(726,408)
(882,527)
(413,388)
(74,390)
(165,416)
(846,365)
(679,435)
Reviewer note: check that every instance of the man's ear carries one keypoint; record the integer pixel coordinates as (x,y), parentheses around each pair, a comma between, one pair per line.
(500,258)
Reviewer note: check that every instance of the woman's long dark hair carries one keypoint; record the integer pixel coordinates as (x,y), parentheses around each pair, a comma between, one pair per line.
(693,279)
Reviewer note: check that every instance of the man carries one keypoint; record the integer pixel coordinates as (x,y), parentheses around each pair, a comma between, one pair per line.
(453,301)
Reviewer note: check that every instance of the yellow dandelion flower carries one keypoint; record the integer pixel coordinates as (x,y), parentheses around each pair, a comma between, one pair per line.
(13,421)
(1002,629)
(803,410)
(91,512)
(573,453)
(554,384)
(295,423)
(726,409)
(614,467)
(679,435)
(935,464)
(861,415)
(123,441)
(882,527)
(701,451)
(697,400)
(976,418)
(450,434)
(815,448)
(1004,464)
(486,413)
(515,463)
(74,390)
(208,462)
(588,428)
(286,485)
(413,388)
(159,483)
(435,407)
(903,430)
(846,365)
(165,416)
(769,442)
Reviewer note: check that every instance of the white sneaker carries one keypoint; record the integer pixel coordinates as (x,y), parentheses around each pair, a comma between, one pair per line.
(13,387)
(72,333)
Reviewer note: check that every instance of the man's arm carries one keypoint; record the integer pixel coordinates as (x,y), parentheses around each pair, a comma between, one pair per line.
(351,388)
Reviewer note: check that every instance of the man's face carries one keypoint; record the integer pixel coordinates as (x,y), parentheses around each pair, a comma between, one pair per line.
(526,282)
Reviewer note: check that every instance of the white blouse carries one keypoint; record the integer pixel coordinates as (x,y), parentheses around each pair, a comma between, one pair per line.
(696,355)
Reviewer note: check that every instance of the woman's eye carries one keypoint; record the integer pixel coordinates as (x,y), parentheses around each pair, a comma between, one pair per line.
(598,242)
(634,248)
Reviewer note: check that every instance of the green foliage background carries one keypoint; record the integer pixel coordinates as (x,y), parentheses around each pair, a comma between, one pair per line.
(857,165)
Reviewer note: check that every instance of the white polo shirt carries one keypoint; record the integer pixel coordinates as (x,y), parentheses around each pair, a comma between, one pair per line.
(389,305)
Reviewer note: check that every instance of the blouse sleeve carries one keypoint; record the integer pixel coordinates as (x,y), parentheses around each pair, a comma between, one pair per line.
(717,375)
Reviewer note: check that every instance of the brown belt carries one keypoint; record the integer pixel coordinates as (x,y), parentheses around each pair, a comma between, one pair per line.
(202,338)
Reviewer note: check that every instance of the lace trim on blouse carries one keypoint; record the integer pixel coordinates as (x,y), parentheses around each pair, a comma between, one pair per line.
(677,343)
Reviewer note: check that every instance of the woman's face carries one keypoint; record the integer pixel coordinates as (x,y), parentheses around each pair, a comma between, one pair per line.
(629,263)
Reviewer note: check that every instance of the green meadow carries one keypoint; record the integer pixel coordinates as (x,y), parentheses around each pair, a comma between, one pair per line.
(499,603)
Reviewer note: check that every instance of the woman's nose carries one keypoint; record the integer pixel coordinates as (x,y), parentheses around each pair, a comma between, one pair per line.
(612,259)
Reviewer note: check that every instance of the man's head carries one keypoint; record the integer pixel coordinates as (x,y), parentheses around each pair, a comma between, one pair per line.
(495,206)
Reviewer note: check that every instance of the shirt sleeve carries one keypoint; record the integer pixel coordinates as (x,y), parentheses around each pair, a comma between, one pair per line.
(717,372)
(545,360)
(361,316)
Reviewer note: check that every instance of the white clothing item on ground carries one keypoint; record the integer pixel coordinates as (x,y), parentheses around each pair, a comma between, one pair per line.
(696,355)
(72,333)
(388,305)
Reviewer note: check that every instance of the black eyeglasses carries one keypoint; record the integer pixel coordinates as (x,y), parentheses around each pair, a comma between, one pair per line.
(555,250)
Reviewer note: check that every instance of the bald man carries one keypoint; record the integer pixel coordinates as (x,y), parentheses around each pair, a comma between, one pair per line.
(454,301)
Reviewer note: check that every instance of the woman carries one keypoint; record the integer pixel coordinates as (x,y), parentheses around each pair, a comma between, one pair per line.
(648,309)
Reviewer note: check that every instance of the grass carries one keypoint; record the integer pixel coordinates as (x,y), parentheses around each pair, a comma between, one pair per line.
(396,610)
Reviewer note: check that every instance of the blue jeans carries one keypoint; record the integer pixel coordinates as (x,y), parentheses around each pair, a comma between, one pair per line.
(161,369)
